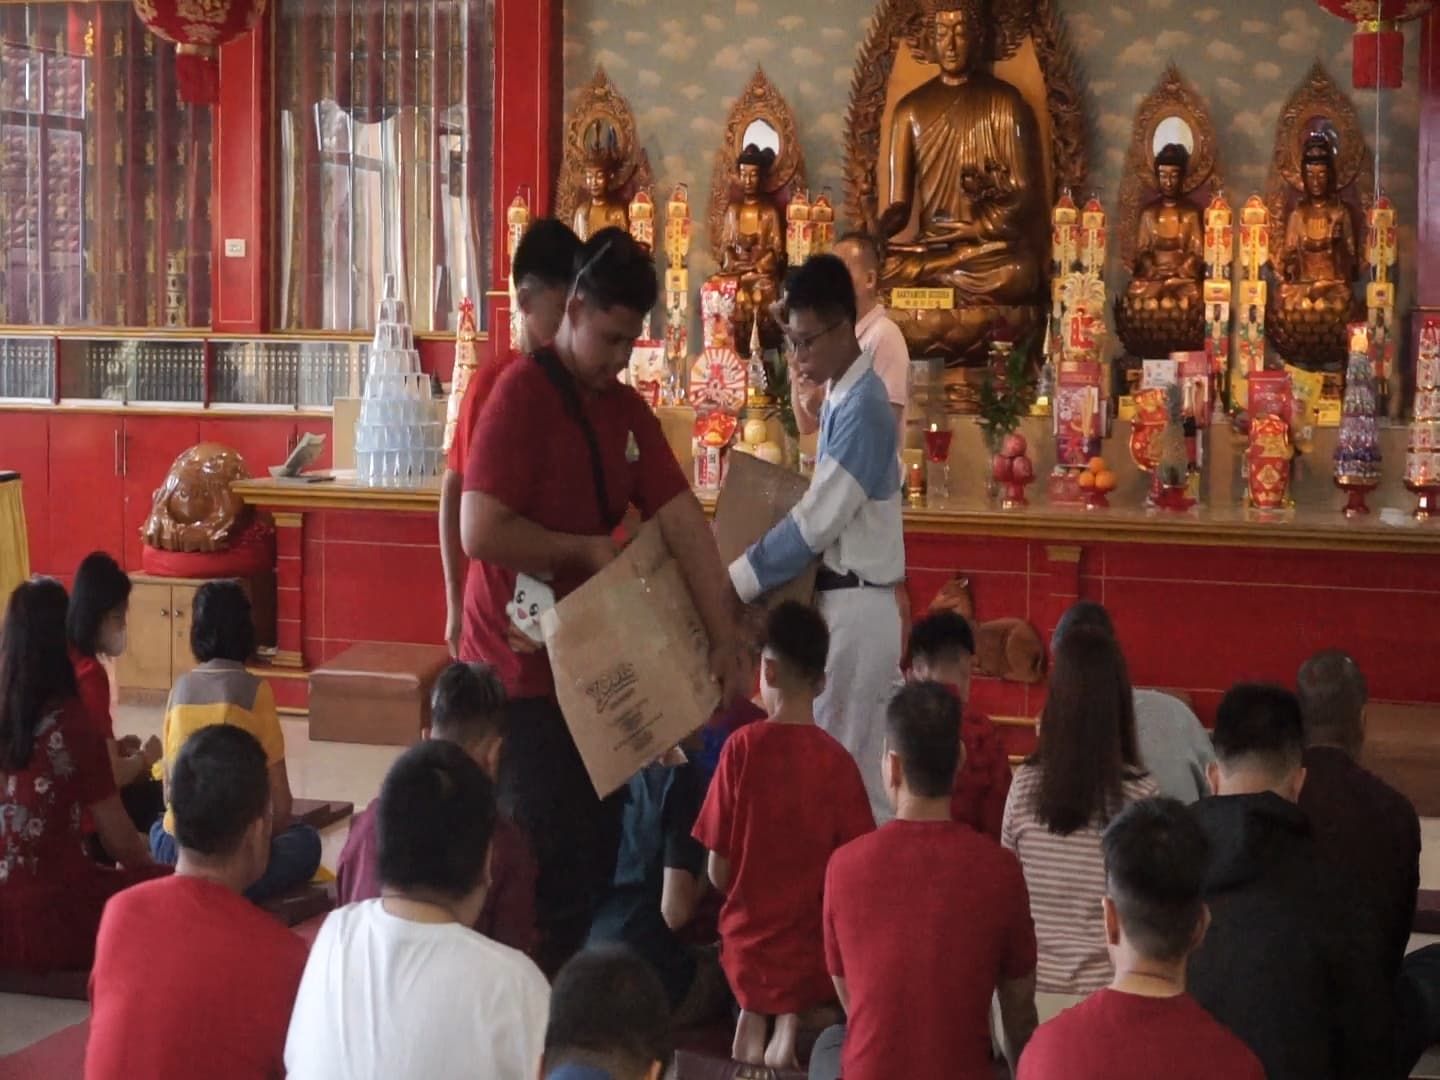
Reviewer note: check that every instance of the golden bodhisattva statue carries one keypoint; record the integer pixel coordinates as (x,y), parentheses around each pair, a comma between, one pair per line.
(598,208)
(966,166)
(1313,301)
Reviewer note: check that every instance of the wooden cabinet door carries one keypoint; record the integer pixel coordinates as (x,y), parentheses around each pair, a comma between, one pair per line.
(25,448)
(182,601)
(146,663)
(149,446)
(261,441)
(85,506)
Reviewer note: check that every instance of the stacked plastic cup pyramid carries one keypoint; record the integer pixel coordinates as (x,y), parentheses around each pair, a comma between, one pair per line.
(401,426)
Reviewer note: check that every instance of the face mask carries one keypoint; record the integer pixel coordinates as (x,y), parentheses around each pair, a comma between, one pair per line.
(112,642)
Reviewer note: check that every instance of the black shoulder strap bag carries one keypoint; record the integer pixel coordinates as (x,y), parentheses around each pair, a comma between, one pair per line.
(564,384)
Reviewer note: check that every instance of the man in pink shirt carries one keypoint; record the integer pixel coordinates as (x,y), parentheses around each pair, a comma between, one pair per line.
(874,329)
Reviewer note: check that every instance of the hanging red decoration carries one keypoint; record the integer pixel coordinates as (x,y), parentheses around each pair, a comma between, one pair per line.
(198,28)
(1378,58)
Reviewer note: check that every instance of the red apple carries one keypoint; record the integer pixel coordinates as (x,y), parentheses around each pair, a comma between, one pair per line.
(1023,469)
(1014,445)
(1000,467)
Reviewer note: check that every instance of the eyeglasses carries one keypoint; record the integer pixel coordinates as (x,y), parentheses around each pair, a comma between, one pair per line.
(804,344)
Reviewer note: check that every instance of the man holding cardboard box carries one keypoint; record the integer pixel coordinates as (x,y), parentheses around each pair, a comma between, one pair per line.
(559,452)
(849,518)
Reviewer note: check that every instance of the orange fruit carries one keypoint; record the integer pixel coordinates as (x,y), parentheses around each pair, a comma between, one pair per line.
(1087,480)
(1105,480)
(1096,464)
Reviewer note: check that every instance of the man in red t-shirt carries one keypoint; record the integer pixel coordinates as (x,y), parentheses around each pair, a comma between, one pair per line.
(1145,1025)
(542,268)
(190,978)
(785,796)
(558,454)
(925,919)
(467,708)
(942,649)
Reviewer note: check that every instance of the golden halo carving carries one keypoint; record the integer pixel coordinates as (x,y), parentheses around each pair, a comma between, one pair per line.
(1317,103)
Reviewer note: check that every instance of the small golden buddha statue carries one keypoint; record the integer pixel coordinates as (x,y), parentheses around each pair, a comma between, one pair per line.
(1170,241)
(965,149)
(753,251)
(1318,260)
(598,208)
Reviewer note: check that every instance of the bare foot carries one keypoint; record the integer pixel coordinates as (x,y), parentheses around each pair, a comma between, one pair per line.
(780,1054)
(749,1047)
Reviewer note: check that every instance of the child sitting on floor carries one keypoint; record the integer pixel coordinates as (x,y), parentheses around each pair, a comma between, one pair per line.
(942,649)
(467,707)
(221,691)
(785,796)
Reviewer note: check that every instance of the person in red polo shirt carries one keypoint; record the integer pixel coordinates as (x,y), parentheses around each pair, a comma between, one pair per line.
(942,649)
(559,452)
(1145,1024)
(190,978)
(541,271)
(925,919)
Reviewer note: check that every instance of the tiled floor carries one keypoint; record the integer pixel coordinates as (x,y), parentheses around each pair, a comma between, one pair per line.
(354,773)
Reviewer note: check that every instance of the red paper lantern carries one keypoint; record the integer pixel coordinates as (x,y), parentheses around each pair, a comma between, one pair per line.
(198,28)
(1378,59)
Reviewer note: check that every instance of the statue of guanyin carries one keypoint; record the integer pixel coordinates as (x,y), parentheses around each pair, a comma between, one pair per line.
(598,209)
(965,149)
(1318,261)
(1170,240)
(753,250)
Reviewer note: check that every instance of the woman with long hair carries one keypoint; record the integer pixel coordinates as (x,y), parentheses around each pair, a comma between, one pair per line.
(1086,769)
(95,626)
(53,770)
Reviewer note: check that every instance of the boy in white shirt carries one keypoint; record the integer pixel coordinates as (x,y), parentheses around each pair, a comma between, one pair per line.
(401,986)
(876,332)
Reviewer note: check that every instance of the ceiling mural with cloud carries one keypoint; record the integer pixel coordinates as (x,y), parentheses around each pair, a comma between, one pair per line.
(682,62)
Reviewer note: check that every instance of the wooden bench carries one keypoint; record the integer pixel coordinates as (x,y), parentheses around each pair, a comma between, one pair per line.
(1402,747)
(1427,912)
(320,813)
(375,694)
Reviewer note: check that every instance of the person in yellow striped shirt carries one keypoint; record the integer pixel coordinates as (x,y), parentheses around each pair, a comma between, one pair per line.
(221,691)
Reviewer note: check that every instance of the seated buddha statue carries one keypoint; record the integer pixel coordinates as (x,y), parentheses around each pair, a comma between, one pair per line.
(1312,302)
(965,150)
(598,208)
(1318,259)
(1170,240)
(196,509)
(752,252)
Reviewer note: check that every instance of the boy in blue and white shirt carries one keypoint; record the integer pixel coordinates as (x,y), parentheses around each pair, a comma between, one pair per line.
(850,518)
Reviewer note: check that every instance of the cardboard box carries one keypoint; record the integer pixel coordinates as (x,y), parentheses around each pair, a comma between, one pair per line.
(631,662)
(755,497)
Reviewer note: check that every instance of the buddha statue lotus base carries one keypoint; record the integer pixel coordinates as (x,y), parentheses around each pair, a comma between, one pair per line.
(1156,327)
(961,334)
(1313,335)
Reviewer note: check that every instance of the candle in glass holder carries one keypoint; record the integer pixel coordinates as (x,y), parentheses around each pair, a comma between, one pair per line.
(937,444)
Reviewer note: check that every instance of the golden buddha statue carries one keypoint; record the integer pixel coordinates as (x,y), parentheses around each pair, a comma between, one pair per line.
(753,252)
(1318,259)
(1170,241)
(965,150)
(1162,310)
(598,208)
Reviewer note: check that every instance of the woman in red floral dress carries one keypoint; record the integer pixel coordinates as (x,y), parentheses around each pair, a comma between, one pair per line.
(53,768)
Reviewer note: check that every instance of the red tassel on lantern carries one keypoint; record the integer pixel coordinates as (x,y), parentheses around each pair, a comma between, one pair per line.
(1378,56)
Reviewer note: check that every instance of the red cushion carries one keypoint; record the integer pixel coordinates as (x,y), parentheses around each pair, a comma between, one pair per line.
(251,552)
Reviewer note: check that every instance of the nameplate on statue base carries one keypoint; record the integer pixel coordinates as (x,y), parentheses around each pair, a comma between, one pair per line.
(917,299)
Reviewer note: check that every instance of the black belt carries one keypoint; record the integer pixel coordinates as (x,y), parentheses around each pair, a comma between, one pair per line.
(827,580)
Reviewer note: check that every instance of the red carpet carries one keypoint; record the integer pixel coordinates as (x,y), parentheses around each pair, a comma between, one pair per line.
(60,1057)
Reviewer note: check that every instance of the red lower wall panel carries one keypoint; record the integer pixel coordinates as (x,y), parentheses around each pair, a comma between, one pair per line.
(1196,619)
